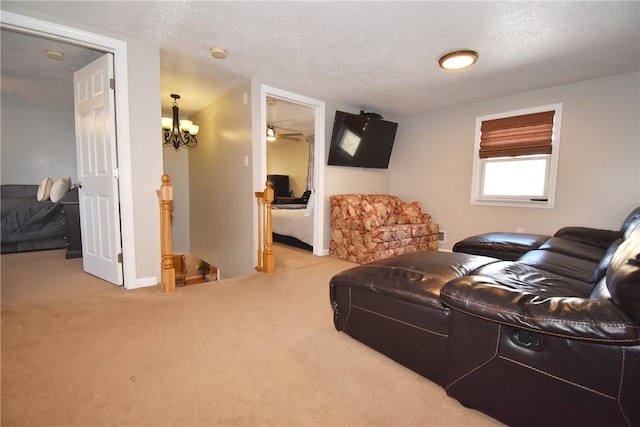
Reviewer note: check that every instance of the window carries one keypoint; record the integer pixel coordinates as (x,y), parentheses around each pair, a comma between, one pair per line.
(516,158)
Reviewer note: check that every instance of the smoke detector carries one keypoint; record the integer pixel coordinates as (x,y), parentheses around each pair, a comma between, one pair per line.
(218,52)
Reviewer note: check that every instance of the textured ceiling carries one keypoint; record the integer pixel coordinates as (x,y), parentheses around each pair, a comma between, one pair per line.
(287,117)
(375,56)
(30,77)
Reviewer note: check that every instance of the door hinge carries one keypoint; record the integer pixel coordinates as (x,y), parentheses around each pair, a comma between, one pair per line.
(112,84)
(116,173)
(120,258)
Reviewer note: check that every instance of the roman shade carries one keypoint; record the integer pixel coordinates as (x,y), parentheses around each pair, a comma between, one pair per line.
(517,135)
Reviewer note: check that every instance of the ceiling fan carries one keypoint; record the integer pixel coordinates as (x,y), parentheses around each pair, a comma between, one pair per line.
(274,133)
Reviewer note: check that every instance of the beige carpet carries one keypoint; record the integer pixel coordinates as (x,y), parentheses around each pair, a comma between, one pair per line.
(254,350)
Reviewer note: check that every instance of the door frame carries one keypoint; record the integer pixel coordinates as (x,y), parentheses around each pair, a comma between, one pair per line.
(118,48)
(319,149)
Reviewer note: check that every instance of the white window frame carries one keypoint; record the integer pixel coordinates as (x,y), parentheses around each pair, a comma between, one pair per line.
(478,198)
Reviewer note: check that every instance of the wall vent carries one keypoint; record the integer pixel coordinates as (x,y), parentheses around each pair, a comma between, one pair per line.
(442,236)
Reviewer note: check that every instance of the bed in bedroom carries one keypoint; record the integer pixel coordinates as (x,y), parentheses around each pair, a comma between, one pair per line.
(292,224)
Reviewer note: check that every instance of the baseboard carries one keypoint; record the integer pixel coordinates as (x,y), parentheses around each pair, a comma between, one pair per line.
(143,283)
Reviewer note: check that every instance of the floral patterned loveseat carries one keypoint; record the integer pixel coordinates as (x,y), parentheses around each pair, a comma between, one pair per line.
(369,227)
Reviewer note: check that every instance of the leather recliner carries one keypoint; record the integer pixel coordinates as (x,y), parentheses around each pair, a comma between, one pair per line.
(549,334)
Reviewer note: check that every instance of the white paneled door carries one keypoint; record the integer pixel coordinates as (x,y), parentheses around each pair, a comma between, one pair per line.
(98,170)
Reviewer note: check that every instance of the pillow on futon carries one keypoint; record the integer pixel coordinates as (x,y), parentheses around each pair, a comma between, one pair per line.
(59,189)
(44,189)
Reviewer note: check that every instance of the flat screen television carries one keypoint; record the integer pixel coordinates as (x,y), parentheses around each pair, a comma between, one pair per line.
(361,140)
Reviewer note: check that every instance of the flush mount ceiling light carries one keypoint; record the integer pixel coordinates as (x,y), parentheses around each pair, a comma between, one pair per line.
(54,54)
(458,60)
(218,52)
(179,132)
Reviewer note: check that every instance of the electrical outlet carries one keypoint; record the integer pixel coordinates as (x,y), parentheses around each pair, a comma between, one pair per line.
(519,230)
(442,236)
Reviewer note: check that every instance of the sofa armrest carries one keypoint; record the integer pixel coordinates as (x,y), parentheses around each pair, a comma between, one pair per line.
(590,236)
(590,319)
(411,213)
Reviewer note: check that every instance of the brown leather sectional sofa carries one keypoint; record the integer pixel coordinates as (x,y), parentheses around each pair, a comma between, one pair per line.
(529,329)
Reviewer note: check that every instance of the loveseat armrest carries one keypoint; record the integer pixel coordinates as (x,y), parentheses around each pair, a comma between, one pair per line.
(590,236)
(590,319)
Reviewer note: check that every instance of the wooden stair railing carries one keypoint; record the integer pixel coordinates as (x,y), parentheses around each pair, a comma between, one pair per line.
(165,197)
(266,260)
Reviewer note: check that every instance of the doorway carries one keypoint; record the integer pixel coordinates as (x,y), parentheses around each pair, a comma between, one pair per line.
(118,48)
(290,160)
(317,195)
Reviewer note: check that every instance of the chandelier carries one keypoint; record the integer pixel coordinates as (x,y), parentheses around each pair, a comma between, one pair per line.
(179,132)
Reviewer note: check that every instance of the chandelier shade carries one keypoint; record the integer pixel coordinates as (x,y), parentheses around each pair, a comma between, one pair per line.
(179,132)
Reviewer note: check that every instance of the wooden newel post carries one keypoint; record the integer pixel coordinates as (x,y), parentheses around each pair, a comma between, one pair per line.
(165,197)
(266,260)
(269,260)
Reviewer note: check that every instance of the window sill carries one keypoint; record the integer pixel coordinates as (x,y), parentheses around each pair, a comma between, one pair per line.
(514,203)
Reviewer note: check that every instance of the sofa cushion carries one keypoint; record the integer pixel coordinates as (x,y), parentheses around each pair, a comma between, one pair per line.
(411,277)
(601,269)
(402,231)
(631,218)
(359,247)
(534,280)
(379,209)
(571,317)
(631,227)
(410,213)
(590,236)
(574,249)
(561,264)
(505,246)
(623,276)
(364,211)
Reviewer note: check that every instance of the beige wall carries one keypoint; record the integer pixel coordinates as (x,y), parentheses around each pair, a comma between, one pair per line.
(176,165)
(599,163)
(289,157)
(146,154)
(36,143)
(220,185)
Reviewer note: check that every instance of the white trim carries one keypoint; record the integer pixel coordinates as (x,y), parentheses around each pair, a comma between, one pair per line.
(319,146)
(29,25)
(553,163)
(144,282)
